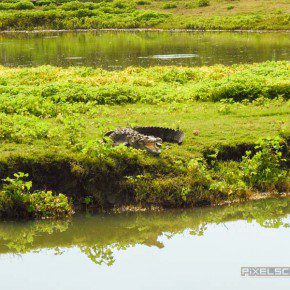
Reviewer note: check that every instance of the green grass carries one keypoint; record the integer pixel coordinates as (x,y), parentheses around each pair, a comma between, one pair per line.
(62,107)
(199,14)
(52,122)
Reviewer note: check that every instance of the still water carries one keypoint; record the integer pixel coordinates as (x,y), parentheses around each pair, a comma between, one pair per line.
(117,50)
(180,249)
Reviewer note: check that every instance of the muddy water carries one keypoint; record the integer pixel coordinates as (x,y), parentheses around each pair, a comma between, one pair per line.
(180,249)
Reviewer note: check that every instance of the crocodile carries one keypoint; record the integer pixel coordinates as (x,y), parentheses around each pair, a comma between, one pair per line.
(145,138)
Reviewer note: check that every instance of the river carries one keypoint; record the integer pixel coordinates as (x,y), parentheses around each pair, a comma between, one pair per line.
(176,249)
(118,50)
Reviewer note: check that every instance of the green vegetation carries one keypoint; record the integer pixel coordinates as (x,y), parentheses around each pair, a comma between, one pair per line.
(201,184)
(52,123)
(198,14)
(17,201)
(169,5)
(202,3)
(263,169)
(75,14)
(143,2)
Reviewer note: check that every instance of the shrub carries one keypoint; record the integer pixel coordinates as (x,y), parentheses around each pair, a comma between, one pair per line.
(24,5)
(189,5)
(73,5)
(21,5)
(119,4)
(143,2)
(169,5)
(5,6)
(149,18)
(45,2)
(17,201)
(202,3)
(44,204)
(178,76)
(263,170)
(228,179)
(123,5)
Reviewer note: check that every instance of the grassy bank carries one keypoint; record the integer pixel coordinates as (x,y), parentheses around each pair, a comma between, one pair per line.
(53,120)
(197,14)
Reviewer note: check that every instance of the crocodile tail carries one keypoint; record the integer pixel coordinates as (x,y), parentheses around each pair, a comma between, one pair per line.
(108,133)
(166,134)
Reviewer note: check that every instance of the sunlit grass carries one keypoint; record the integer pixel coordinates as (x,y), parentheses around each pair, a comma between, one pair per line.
(197,14)
(52,123)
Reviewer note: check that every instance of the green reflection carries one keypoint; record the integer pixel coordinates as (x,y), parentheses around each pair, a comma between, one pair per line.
(98,236)
(116,50)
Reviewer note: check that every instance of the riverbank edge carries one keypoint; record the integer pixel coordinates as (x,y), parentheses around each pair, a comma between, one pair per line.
(91,188)
(155,208)
(144,30)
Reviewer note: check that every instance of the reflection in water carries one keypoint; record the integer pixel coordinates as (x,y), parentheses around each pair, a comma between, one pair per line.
(99,236)
(170,56)
(117,50)
(74,57)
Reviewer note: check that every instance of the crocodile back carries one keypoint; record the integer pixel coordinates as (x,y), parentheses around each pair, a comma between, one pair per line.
(166,134)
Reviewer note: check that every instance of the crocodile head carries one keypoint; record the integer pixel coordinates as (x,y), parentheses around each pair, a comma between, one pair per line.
(151,144)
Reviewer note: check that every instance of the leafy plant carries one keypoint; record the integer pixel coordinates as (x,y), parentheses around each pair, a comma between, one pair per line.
(203,3)
(169,5)
(17,187)
(24,5)
(17,201)
(44,204)
(225,109)
(263,169)
(143,2)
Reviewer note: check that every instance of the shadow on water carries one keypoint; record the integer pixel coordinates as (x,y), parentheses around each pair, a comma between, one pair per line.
(117,50)
(98,236)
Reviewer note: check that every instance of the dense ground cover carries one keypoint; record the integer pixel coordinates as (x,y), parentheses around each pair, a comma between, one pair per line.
(197,14)
(52,123)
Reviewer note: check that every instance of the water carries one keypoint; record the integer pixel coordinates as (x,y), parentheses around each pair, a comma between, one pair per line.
(117,50)
(180,249)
